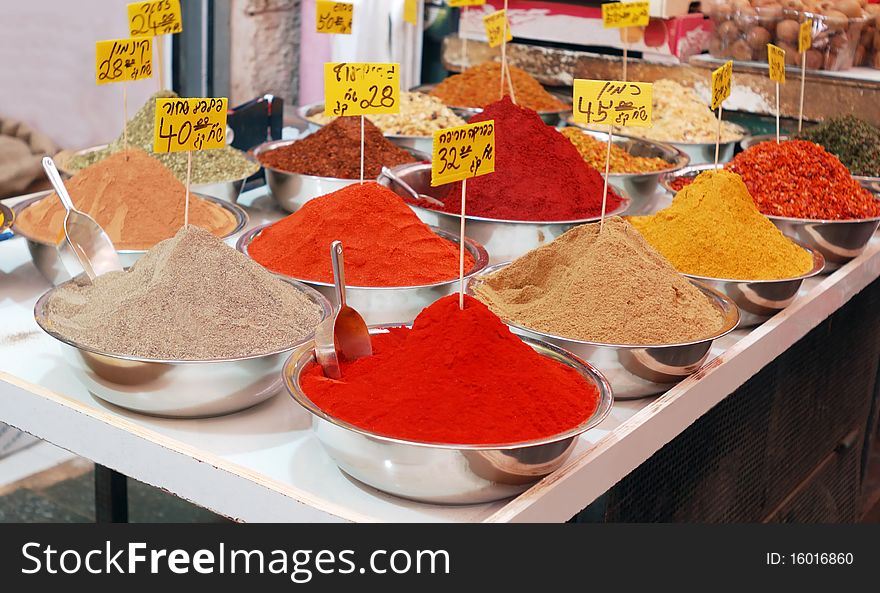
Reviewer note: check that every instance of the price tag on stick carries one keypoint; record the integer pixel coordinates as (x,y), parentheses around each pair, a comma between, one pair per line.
(120,60)
(334,17)
(497,28)
(776,61)
(464,3)
(459,153)
(189,124)
(722,79)
(153,18)
(612,103)
(622,15)
(411,11)
(805,42)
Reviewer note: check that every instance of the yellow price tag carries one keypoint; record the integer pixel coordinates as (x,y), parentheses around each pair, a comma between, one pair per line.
(721,82)
(805,36)
(460,3)
(120,60)
(495,25)
(411,11)
(189,124)
(776,59)
(154,17)
(462,152)
(352,88)
(625,14)
(334,17)
(613,102)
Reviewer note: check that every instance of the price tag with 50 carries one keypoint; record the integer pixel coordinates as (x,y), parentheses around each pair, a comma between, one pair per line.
(361,88)
(625,14)
(722,78)
(776,59)
(334,17)
(119,60)
(613,102)
(495,24)
(189,124)
(462,152)
(154,17)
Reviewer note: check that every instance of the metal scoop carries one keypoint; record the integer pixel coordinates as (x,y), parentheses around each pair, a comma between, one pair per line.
(343,335)
(86,240)
(408,188)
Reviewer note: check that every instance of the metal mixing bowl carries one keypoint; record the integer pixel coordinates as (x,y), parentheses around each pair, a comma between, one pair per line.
(422,144)
(636,370)
(380,304)
(759,300)
(45,255)
(504,239)
(224,190)
(838,241)
(440,473)
(641,187)
(689,172)
(551,118)
(176,388)
(293,190)
(868,182)
(7,217)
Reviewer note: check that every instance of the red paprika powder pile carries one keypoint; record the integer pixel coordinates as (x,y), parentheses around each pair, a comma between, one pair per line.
(539,174)
(800,179)
(457,377)
(385,242)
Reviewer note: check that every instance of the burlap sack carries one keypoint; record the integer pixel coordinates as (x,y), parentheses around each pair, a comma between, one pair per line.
(21,149)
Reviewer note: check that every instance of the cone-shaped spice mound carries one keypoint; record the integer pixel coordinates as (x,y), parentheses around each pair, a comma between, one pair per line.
(189,298)
(385,242)
(610,287)
(458,377)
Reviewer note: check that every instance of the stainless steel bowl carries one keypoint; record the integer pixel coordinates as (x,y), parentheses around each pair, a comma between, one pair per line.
(505,240)
(641,187)
(7,217)
(839,241)
(45,255)
(293,190)
(636,370)
(697,152)
(866,181)
(224,190)
(422,144)
(759,300)
(399,304)
(175,388)
(551,118)
(689,172)
(439,473)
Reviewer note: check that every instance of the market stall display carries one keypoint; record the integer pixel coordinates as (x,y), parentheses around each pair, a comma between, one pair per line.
(606,296)
(395,265)
(415,421)
(194,328)
(852,140)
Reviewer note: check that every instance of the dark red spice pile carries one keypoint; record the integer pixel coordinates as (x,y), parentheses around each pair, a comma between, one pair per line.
(539,174)
(335,151)
(680,183)
(800,179)
(458,377)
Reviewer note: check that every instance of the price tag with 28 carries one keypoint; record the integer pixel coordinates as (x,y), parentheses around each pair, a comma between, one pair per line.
(361,88)
(120,60)
(189,124)
(462,152)
(613,102)
(154,17)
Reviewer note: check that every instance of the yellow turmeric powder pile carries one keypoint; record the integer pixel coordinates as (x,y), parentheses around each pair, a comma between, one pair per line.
(713,229)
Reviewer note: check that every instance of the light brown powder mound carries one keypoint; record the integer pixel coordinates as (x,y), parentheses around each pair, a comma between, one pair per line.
(611,287)
(189,298)
(133,197)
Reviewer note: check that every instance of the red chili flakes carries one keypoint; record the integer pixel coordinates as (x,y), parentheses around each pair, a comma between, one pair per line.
(680,183)
(800,179)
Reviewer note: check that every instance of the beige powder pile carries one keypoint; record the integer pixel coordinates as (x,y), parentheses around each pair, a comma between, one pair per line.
(191,297)
(611,287)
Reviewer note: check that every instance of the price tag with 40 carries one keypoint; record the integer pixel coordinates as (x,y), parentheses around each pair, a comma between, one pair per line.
(189,124)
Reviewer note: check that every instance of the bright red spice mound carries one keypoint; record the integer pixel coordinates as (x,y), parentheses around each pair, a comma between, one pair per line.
(457,377)
(385,242)
(539,174)
(800,179)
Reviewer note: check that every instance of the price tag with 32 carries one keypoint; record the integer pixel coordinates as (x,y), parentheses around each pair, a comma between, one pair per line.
(462,152)
(361,88)
(189,124)
(613,102)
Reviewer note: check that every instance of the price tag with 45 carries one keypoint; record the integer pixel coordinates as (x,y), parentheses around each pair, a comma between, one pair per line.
(462,152)
(154,17)
(119,60)
(189,124)
(361,88)
(613,102)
